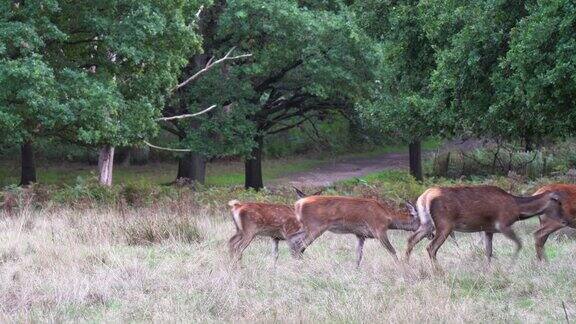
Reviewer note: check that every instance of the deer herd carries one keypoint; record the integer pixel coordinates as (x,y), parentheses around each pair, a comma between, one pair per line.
(438,212)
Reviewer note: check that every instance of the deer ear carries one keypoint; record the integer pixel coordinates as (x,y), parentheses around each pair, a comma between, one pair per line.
(299,192)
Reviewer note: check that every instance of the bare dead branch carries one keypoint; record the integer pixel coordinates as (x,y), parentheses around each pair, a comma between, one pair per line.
(199,12)
(187,115)
(166,148)
(211,63)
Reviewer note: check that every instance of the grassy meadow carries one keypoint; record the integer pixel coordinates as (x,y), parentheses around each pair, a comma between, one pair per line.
(166,260)
(217,174)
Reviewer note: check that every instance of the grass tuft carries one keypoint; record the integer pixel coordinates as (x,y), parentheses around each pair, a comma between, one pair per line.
(153,230)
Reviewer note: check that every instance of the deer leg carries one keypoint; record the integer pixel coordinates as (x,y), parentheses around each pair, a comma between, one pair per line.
(242,244)
(311,235)
(453,236)
(359,250)
(439,239)
(509,233)
(233,242)
(295,242)
(420,234)
(488,245)
(386,243)
(275,249)
(541,236)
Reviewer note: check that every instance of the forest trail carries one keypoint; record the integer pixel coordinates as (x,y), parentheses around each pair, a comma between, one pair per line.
(330,172)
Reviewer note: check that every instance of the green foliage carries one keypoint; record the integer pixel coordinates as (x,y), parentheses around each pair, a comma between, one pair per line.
(333,135)
(399,186)
(400,103)
(308,60)
(503,67)
(471,38)
(27,81)
(538,81)
(87,192)
(94,72)
(492,68)
(394,185)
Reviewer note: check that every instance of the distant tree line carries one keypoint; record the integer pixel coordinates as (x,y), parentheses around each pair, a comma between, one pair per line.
(113,73)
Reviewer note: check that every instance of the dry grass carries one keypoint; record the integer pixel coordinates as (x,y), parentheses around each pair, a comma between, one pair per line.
(151,265)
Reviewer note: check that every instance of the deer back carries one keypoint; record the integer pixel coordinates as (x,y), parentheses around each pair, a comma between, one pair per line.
(264,217)
(480,202)
(349,210)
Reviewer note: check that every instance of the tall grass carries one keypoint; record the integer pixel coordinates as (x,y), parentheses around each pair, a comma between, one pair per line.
(168,262)
(148,253)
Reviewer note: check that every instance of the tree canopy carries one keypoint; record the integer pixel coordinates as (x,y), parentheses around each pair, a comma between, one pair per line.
(493,68)
(308,60)
(94,73)
(102,73)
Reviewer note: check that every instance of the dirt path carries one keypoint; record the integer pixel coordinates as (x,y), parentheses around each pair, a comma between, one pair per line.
(327,174)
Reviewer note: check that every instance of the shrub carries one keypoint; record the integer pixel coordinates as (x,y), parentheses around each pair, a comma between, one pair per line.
(14,199)
(390,184)
(86,192)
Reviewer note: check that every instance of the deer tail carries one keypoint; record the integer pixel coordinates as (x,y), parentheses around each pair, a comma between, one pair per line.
(236,213)
(423,208)
(298,210)
(233,203)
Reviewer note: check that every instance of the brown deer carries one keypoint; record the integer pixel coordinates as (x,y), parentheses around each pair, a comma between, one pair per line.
(365,218)
(549,225)
(485,209)
(264,219)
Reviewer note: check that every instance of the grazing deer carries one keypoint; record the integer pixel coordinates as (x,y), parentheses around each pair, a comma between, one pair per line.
(365,218)
(263,219)
(485,209)
(549,225)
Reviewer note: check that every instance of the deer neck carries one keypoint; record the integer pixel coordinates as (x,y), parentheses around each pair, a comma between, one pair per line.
(532,206)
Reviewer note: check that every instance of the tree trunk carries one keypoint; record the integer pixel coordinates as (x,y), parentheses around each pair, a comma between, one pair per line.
(528,145)
(253,167)
(28,168)
(415,152)
(192,168)
(105,165)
